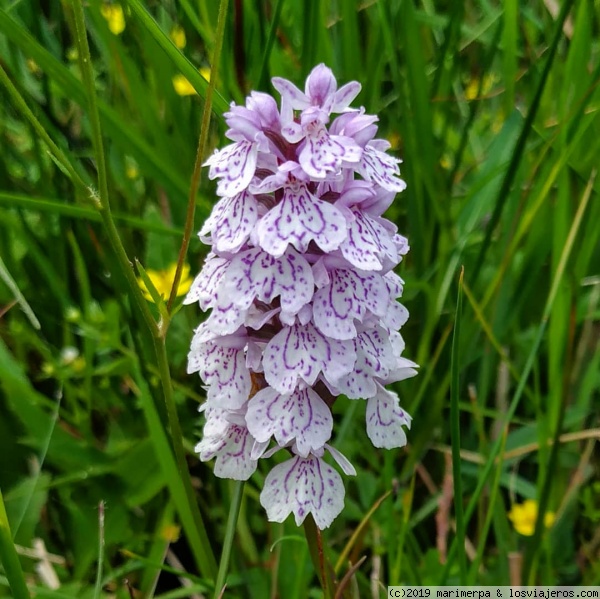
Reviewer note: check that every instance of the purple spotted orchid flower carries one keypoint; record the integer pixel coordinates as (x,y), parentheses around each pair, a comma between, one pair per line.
(302,293)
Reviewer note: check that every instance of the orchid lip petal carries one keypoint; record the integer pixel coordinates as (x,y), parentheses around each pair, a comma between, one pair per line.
(302,486)
(301,416)
(348,297)
(234,165)
(299,219)
(323,153)
(375,359)
(255,274)
(301,353)
(204,284)
(233,452)
(224,370)
(385,420)
(368,243)
(231,222)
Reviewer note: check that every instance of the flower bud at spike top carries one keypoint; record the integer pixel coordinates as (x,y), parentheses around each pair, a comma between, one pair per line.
(302,294)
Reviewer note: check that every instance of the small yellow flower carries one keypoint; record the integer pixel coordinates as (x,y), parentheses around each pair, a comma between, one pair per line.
(131,168)
(163,281)
(113,13)
(170,532)
(205,72)
(33,66)
(394,139)
(473,87)
(523,516)
(446,162)
(178,36)
(182,86)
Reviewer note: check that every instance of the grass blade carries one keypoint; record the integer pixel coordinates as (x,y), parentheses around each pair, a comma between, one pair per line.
(54,206)
(19,297)
(9,557)
(234,511)
(455,432)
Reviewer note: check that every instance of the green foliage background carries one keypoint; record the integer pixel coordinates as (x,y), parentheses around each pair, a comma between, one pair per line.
(494,108)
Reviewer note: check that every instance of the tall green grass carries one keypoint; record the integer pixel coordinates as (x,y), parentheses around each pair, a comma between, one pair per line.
(494,109)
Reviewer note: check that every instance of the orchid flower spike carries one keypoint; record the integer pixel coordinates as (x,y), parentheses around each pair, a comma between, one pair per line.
(302,293)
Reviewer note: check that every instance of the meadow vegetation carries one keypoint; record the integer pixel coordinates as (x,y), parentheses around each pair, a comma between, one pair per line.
(494,108)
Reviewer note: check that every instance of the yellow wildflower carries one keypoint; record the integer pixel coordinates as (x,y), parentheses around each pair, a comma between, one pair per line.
(446,161)
(177,35)
(205,72)
(524,515)
(394,139)
(182,86)
(33,66)
(170,532)
(473,87)
(113,13)
(163,281)
(131,168)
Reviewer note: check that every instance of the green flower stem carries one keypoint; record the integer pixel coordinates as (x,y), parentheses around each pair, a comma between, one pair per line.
(317,555)
(200,152)
(234,511)
(203,554)
(9,557)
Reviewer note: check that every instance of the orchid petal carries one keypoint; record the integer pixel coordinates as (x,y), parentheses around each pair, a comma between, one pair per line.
(302,353)
(385,419)
(320,85)
(231,222)
(344,96)
(224,370)
(367,243)
(374,359)
(298,219)
(202,289)
(380,168)
(303,486)
(233,452)
(256,274)
(301,416)
(234,165)
(323,153)
(347,297)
